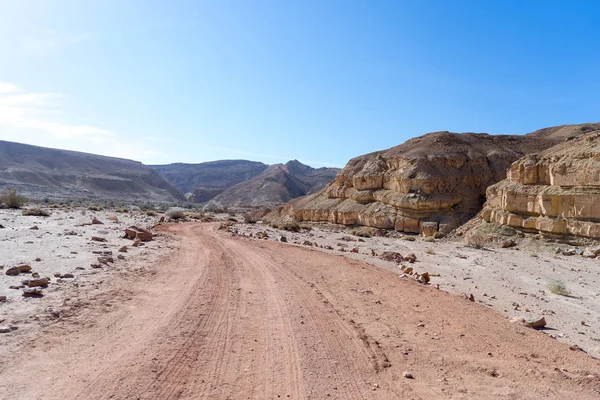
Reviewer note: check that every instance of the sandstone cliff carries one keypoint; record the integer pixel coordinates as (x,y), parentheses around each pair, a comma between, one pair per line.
(556,191)
(429,183)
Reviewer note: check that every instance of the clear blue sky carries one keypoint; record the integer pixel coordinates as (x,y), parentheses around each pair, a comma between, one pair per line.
(320,81)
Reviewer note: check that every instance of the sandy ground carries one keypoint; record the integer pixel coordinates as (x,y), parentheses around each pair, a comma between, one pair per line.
(233,317)
(63,245)
(512,281)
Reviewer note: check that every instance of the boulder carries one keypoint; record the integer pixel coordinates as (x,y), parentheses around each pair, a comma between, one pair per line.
(24,268)
(135,232)
(13,271)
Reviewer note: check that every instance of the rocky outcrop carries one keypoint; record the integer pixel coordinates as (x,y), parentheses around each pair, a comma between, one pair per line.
(555,192)
(430,183)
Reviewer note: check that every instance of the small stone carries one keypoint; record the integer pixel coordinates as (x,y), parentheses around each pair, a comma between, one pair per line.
(98,239)
(13,271)
(34,228)
(408,375)
(121,257)
(24,268)
(38,259)
(283,239)
(2,298)
(5,329)
(508,243)
(38,282)
(32,292)
(123,249)
(96,221)
(536,323)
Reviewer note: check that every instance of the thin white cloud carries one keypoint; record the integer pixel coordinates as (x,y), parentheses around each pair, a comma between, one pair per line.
(39,119)
(7,88)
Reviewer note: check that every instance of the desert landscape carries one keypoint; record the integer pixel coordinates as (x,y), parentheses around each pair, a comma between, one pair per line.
(412,274)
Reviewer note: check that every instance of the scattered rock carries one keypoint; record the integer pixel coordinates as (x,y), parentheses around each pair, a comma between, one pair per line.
(32,292)
(2,298)
(137,233)
(4,329)
(136,243)
(538,323)
(508,243)
(408,375)
(411,258)
(96,221)
(34,228)
(38,282)
(391,256)
(121,257)
(424,277)
(106,260)
(38,259)
(24,268)
(283,239)
(99,239)
(13,271)
(354,250)
(64,276)
(123,249)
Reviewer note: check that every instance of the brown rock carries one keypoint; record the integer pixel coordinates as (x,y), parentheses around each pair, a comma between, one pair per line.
(99,239)
(2,298)
(123,249)
(96,221)
(32,292)
(38,282)
(135,232)
(13,271)
(24,268)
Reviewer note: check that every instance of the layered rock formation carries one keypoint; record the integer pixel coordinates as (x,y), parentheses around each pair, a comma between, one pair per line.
(430,183)
(556,191)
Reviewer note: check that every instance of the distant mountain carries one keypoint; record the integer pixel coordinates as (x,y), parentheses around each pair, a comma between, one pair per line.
(278,184)
(43,172)
(201,182)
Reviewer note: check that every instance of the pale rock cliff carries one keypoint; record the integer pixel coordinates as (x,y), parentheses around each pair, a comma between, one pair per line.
(430,183)
(554,192)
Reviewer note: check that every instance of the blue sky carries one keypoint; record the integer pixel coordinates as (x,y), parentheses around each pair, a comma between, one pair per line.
(319,81)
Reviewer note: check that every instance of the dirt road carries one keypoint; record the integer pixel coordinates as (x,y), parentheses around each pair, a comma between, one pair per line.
(232,318)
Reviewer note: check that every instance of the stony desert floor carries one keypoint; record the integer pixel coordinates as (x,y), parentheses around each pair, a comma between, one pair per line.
(206,312)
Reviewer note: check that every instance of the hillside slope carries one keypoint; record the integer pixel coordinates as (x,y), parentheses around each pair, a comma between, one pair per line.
(43,172)
(278,184)
(201,182)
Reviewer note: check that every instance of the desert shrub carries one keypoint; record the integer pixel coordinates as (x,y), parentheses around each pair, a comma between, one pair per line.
(151,213)
(176,215)
(363,232)
(557,286)
(430,251)
(122,210)
(95,207)
(12,198)
(198,216)
(408,238)
(429,239)
(250,218)
(36,212)
(438,235)
(292,226)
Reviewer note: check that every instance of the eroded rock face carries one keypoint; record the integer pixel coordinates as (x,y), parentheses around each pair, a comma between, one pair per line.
(433,182)
(554,192)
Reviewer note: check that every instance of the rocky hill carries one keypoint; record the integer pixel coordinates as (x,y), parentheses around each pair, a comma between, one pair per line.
(43,172)
(278,184)
(433,182)
(202,182)
(555,192)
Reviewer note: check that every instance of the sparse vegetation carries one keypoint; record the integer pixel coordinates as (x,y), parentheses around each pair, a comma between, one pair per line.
(408,238)
(151,213)
(12,198)
(36,212)
(198,216)
(430,251)
(363,232)
(557,286)
(429,239)
(292,226)
(176,215)
(95,207)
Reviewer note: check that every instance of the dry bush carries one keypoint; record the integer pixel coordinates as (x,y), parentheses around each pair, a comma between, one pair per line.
(363,232)
(95,207)
(198,216)
(408,238)
(36,212)
(557,286)
(429,239)
(176,215)
(12,198)
(430,251)
(292,226)
(151,213)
